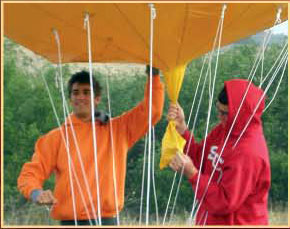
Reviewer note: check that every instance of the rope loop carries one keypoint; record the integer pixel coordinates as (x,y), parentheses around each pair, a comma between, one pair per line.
(86,19)
(56,35)
(153,10)
(278,15)
(223,10)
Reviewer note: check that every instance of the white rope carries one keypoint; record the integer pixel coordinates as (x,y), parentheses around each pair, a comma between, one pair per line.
(259,102)
(196,90)
(143,179)
(215,166)
(209,84)
(202,91)
(175,199)
(203,217)
(87,26)
(231,128)
(276,88)
(66,131)
(198,106)
(67,149)
(168,202)
(82,167)
(209,58)
(56,79)
(81,164)
(262,97)
(82,195)
(213,48)
(50,98)
(206,215)
(234,121)
(152,17)
(153,177)
(210,103)
(188,121)
(277,59)
(188,146)
(190,140)
(263,55)
(258,58)
(80,158)
(113,151)
(277,21)
(265,43)
(278,16)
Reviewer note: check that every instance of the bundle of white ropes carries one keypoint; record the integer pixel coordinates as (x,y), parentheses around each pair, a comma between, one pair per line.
(149,148)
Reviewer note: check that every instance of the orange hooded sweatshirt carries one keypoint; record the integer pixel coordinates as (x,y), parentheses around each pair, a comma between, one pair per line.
(51,156)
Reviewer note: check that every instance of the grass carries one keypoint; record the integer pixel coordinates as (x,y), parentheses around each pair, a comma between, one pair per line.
(278,214)
(32,214)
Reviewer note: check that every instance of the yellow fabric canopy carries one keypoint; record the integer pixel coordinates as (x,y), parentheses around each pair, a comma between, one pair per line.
(120,33)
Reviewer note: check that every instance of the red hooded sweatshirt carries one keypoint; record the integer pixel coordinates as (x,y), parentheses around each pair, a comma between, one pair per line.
(238,192)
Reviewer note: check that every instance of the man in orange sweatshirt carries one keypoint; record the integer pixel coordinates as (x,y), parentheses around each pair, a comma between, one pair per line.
(69,153)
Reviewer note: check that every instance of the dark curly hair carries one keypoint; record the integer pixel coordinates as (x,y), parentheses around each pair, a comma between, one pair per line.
(223,97)
(83,77)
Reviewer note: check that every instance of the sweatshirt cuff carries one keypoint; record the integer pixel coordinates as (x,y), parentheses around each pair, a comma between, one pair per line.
(186,134)
(156,84)
(156,78)
(193,179)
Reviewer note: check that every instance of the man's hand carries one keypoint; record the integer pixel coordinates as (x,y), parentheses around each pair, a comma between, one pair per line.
(175,112)
(181,160)
(46,197)
(155,71)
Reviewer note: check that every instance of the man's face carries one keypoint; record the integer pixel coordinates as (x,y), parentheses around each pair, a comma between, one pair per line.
(222,112)
(80,100)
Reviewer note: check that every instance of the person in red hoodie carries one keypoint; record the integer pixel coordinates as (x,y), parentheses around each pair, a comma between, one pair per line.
(238,191)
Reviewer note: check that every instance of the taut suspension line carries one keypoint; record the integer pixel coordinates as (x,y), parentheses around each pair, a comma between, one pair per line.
(113,151)
(66,130)
(152,17)
(87,26)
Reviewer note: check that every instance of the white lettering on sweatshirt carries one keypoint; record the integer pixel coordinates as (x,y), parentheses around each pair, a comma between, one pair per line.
(213,156)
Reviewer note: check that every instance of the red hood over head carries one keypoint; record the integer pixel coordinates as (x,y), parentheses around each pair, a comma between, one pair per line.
(236,90)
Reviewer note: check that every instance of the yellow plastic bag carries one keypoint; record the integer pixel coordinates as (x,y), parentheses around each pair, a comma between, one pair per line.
(172,142)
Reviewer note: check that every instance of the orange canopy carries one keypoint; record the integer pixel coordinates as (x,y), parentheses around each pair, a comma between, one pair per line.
(120,31)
